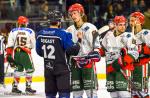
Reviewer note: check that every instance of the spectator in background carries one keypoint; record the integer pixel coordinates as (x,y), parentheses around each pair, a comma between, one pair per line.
(147,16)
(142,6)
(109,14)
(44,10)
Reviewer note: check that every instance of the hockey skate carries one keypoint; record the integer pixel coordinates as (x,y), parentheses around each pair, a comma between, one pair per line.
(16,90)
(2,89)
(30,91)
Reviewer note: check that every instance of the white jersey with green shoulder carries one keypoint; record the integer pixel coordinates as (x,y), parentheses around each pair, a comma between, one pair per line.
(21,37)
(87,41)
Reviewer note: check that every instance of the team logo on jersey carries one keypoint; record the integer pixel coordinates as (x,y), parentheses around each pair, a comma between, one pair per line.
(145,33)
(128,35)
(86,28)
(49,65)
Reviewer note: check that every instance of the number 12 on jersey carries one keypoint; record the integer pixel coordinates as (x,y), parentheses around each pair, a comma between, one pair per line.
(49,51)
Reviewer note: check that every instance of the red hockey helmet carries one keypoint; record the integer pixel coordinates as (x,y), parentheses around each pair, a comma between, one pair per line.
(119,19)
(138,15)
(76,7)
(22,20)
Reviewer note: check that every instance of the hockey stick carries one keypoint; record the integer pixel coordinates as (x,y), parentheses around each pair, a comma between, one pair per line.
(132,84)
(84,60)
(93,75)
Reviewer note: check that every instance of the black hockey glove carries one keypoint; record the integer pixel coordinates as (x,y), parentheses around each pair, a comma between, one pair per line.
(11,61)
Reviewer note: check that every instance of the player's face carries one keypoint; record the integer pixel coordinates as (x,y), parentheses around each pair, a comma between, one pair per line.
(121,27)
(76,16)
(132,21)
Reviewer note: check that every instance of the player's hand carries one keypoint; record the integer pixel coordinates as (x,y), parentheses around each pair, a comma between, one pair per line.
(80,35)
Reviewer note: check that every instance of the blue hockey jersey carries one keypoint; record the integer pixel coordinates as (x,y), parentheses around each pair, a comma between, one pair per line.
(52,44)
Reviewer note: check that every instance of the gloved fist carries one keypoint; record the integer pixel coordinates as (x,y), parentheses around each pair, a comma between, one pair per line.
(145,49)
(128,62)
(9,51)
(11,61)
(123,51)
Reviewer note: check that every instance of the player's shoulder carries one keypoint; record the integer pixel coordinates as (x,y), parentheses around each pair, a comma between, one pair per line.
(29,30)
(71,28)
(52,32)
(24,29)
(89,26)
(145,31)
(127,34)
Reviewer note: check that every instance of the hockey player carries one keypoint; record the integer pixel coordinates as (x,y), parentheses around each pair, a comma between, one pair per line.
(142,39)
(2,47)
(120,54)
(52,44)
(20,42)
(81,77)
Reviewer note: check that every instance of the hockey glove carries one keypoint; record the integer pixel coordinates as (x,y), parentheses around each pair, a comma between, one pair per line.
(11,61)
(81,61)
(128,62)
(93,56)
(9,52)
(125,63)
(145,49)
(123,52)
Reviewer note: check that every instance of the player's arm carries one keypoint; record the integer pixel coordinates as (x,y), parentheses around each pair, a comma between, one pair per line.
(70,47)
(32,38)
(11,40)
(38,46)
(145,47)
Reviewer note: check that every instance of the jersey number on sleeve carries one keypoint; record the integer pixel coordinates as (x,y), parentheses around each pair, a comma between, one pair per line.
(50,55)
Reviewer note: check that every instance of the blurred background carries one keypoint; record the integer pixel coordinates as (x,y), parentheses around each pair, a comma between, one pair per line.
(99,12)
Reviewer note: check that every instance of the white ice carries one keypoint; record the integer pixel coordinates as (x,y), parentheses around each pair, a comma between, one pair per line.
(39,86)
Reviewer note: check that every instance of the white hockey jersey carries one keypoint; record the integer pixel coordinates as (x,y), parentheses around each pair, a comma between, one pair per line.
(87,42)
(21,37)
(143,37)
(113,45)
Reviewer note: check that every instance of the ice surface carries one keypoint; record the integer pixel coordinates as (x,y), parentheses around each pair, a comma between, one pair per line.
(39,86)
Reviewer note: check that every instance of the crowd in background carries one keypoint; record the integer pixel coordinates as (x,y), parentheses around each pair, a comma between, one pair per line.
(99,12)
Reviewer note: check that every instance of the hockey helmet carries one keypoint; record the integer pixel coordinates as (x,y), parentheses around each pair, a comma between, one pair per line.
(22,20)
(76,7)
(119,19)
(54,16)
(138,15)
